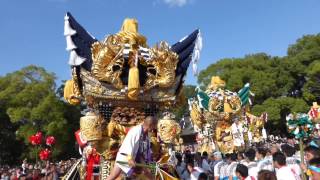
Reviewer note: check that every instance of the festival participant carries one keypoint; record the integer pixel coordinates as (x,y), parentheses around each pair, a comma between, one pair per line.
(219,163)
(283,172)
(197,159)
(311,152)
(274,149)
(314,168)
(182,169)
(203,176)
(266,175)
(241,158)
(205,164)
(231,170)
(251,164)
(212,162)
(264,160)
(242,172)
(289,151)
(194,171)
(135,148)
(223,172)
(214,159)
(24,166)
(291,141)
(237,133)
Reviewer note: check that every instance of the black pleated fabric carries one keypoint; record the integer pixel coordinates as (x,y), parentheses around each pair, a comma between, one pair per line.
(83,40)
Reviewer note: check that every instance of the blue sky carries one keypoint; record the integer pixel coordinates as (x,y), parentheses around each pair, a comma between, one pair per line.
(31,31)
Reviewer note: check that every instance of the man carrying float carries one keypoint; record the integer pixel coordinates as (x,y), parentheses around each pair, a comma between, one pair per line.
(135,148)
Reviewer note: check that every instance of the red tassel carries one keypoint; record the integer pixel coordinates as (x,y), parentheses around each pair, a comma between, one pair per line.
(92,160)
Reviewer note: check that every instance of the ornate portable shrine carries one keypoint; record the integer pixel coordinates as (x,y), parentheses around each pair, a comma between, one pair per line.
(212,114)
(314,114)
(221,120)
(122,80)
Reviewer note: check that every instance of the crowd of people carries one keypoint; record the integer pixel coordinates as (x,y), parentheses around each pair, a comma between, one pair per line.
(268,161)
(38,171)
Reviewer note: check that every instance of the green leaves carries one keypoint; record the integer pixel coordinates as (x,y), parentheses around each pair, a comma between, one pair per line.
(29,99)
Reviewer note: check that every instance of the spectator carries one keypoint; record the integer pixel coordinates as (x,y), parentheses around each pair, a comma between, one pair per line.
(251,164)
(264,161)
(311,152)
(194,171)
(205,164)
(266,175)
(242,172)
(231,169)
(291,161)
(182,169)
(283,172)
(217,170)
(203,176)
(314,168)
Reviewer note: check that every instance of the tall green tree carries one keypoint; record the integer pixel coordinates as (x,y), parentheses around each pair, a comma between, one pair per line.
(11,148)
(304,56)
(28,97)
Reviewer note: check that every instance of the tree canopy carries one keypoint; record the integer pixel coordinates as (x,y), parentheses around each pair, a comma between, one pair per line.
(29,104)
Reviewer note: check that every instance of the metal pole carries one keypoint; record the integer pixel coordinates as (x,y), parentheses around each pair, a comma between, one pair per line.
(302,156)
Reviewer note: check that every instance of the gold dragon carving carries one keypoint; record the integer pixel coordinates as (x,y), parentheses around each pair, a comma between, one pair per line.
(161,70)
(108,61)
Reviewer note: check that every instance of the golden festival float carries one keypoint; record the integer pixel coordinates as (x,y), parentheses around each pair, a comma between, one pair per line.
(222,118)
(314,115)
(121,81)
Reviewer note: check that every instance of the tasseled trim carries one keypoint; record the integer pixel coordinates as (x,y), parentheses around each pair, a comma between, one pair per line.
(74,59)
(196,53)
(70,44)
(68,31)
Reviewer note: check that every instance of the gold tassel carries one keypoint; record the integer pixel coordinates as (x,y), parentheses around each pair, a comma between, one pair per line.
(133,83)
(227,108)
(69,93)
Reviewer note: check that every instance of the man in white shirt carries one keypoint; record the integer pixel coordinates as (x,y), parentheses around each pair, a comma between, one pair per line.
(264,160)
(237,133)
(135,147)
(231,170)
(251,164)
(223,172)
(291,161)
(283,172)
(218,166)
